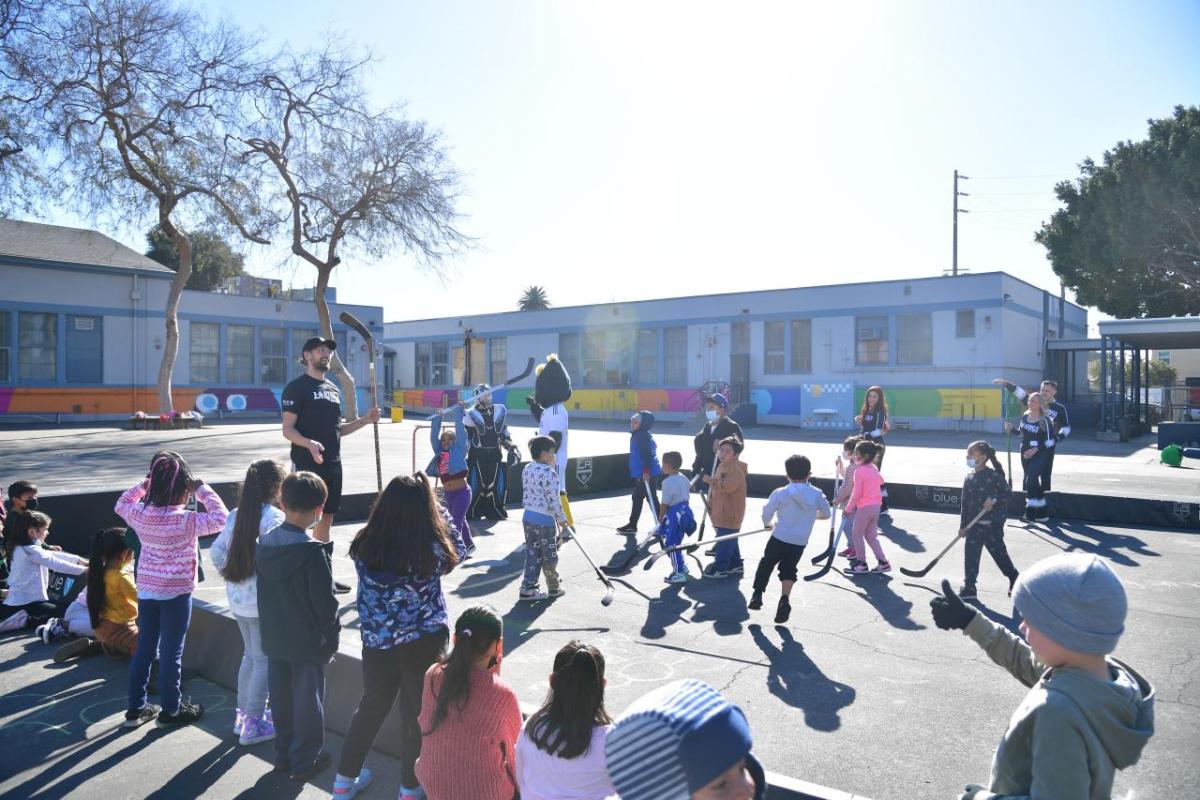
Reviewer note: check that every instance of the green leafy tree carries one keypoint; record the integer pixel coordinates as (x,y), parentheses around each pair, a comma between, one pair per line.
(213,260)
(1128,238)
(1161,373)
(534,299)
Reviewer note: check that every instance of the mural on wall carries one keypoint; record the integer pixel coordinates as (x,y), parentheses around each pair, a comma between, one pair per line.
(949,403)
(109,401)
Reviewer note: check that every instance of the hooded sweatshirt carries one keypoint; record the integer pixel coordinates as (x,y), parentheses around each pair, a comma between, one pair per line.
(798,505)
(1072,731)
(297,610)
(643,452)
(727,495)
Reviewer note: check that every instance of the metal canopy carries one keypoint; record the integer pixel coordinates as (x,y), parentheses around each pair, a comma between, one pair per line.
(1160,333)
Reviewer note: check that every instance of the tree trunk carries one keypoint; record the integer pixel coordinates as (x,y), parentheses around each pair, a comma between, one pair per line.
(344,378)
(171,345)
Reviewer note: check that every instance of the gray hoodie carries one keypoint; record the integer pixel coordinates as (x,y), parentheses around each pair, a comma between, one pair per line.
(1072,731)
(798,505)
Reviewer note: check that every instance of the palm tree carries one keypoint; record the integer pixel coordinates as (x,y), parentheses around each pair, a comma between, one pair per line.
(534,299)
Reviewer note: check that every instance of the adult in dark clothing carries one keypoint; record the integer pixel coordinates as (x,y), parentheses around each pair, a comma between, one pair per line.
(873,425)
(297,613)
(1036,442)
(487,433)
(718,426)
(1056,413)
(312,422)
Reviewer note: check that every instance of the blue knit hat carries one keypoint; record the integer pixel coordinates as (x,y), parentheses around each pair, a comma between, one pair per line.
(676,740)
(1074,599)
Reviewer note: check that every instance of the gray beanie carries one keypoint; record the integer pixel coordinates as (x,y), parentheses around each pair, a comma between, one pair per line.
(1076,600)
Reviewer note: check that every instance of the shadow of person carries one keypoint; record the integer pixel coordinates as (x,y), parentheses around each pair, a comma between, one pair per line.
(900,536)
(518,623)
(496,574)
(1087,539)
(664,611)
(795,679)
(877,590)
(1013,623)
(719,601)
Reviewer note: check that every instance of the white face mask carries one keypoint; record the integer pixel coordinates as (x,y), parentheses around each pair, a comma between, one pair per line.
(710,415)
(972,463)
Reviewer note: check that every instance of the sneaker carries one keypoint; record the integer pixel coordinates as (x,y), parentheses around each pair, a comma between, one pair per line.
(347,791)
(340,588)
(755,601)
(737,568)
(77,647)
(566,535)
(412,794)
(186,715)
(532,596)
(882,566)
(557,591)
(847,553)
(784,611)
(857,568)
(967,591)
(678,577)
(711,571)
(322,761)
(255,730)
(239,721)
(15,622)
(140,716)
(627,528)
(53,629)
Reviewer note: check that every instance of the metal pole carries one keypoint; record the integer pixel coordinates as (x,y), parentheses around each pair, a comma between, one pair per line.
(954,255)
(1104,383)
(1121,374)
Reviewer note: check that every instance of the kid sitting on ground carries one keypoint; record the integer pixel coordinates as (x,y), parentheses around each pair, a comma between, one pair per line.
(297,614)
(675,514)
(111,593)
(798,505)
(1087,714)
(22,496)
(542,518)
(28,603)
(846,467)
(643,468)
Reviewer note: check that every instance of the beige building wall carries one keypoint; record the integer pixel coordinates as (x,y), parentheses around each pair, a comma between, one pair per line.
(1185,362)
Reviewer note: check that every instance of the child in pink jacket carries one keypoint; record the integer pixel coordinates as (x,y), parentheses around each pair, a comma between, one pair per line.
(865,499)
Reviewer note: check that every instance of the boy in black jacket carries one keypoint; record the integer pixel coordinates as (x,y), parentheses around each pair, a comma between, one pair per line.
(717,426)
(297,612)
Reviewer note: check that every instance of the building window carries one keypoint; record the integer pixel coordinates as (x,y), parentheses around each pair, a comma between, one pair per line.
(647,357)
(204,352)
(85,349)
(272,355)
(773,347)
(568,352)
(498,370)
(239,354)
(964,324)
(870,340)
(739,338)
(440,372)
(802,346)
(675,356)
(1164,356)
(914,339)
(37,344)
(299,337)
(5,347)
(593,358)
(424,364)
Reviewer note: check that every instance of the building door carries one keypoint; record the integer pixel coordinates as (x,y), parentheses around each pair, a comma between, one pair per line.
(739,362)
(85,349)
(477,366)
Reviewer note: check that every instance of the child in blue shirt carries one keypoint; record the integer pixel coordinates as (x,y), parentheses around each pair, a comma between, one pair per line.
(643,467)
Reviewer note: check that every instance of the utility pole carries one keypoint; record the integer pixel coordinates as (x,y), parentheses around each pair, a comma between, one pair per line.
(957,211)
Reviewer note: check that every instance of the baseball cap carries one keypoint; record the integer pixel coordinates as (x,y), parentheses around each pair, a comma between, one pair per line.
(317,341)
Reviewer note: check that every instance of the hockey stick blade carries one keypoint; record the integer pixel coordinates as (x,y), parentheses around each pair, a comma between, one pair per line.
(609,589)
(470,401)
(355,323)
(620,569)
(921,573)
(691,547)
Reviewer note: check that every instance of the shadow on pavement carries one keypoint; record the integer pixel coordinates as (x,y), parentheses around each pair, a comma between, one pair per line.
(795,679)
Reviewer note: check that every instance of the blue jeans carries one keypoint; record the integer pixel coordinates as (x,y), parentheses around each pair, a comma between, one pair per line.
(162,625)
(728,553)
(298,707)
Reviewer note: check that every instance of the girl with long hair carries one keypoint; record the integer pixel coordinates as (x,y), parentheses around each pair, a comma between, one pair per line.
(469,717)
(401,554)
(112,594)
(985,489)
(560,752)
(1037,438)
(156,508)
(233,555)
(874,423)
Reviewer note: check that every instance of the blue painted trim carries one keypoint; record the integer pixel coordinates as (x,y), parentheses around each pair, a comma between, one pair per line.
(39,263)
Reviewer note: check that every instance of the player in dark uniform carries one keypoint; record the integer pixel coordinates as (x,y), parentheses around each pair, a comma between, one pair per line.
(1037,442)
(312,422)
(1060,427)
(487,431)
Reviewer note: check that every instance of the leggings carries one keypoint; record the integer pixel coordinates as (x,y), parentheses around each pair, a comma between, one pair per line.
(254,672)
(457,503)
(866,533)
(1035,475)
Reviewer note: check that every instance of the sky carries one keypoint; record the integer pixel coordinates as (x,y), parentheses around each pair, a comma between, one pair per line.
(622,151)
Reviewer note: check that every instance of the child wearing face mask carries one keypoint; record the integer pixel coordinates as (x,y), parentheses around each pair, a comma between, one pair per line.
(22,496)
(28,603)
(864,502)
(985,489)
(718,426)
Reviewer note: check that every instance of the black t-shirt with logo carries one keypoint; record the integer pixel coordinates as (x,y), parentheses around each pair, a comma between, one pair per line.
(872,421)
(317,404)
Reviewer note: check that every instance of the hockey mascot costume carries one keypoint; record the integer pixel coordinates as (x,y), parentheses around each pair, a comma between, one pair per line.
(487,432)
(550,391)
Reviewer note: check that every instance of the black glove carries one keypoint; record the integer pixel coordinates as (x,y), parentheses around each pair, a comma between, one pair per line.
(949,611)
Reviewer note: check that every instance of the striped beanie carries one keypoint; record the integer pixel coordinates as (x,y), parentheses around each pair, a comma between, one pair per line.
(676,740)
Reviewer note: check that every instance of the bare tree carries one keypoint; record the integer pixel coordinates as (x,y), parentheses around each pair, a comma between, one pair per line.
(350,179)
(142,97)
(22,184)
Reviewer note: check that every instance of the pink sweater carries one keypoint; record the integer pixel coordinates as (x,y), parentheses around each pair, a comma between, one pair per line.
(470,754)
(167,564)
(868,488)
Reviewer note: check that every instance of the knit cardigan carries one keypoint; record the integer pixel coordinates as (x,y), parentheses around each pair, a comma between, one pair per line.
(471,754)
(167,564)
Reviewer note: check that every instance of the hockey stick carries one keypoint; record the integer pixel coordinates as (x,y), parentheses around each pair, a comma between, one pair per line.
(473,399)
(921,573)
(609,589)
(837,482)
(619,569)
(1007,433)
(678,547)
(363,331)
(832,554)
(704,517)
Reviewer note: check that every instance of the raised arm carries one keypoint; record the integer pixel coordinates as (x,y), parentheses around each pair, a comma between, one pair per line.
(212,519)
(130,502)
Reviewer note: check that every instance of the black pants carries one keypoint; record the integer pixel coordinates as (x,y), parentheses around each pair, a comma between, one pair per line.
(1048,469)
(394,676)
(639,497)
(38,612)
(977,539)
(298,706)
(777,553)
(488,478)
(1035,479)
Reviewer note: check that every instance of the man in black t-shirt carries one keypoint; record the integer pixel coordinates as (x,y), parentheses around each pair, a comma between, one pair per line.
(312,422)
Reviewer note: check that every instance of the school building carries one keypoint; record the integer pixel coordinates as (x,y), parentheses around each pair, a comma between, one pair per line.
(82,331)
(802,356)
